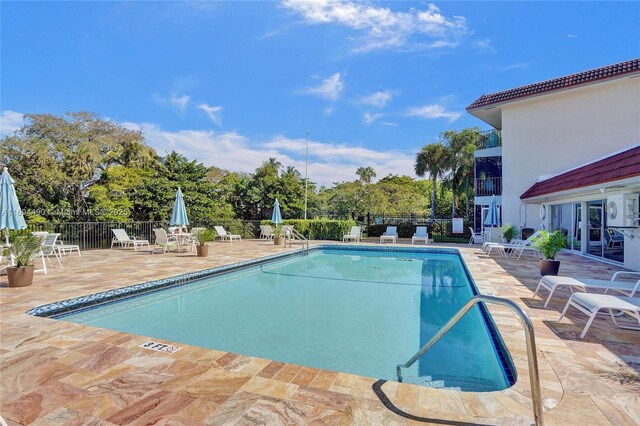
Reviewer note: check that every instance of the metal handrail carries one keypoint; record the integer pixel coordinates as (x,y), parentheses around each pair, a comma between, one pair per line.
(536,395)
(298,236)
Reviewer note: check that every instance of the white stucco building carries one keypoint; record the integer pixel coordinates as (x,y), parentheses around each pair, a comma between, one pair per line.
(565,154)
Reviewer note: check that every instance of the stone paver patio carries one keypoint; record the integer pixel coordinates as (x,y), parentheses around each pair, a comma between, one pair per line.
(58,373)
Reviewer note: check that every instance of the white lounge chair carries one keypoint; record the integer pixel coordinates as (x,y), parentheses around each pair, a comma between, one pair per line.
(354,235)
(420,235)
(164,241)
(67,248)
(390,234)
(516,247)
(224,235)
(47,249)
(121,238)
(266,232)
(551,283)
(592,304)
(475,238)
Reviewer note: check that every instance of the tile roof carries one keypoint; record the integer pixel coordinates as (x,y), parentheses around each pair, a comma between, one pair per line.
(568,81)
(616,167)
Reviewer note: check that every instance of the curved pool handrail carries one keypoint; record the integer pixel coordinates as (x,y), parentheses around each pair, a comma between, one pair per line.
(534,377)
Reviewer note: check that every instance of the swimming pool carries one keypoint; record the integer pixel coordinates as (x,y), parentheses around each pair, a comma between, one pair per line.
(359,311)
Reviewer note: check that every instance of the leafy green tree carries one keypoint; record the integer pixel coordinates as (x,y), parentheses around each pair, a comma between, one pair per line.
(366,174)
(433,159)
(461,145)
(56,159)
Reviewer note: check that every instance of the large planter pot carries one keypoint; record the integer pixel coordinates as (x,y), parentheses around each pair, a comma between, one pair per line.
(20,276)
(549,267)
(202,251)
(279,241)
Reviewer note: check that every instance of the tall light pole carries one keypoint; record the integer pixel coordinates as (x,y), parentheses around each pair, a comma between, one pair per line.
(306,177)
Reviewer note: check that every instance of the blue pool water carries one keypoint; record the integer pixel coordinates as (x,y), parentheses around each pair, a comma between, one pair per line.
(354,311)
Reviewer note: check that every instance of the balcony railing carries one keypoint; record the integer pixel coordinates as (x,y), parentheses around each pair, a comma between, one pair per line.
(489,186)
(489,139)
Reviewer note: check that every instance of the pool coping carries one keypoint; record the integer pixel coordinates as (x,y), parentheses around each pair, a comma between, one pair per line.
(60,309)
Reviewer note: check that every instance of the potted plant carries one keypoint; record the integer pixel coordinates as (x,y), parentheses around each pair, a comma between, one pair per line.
(278,239)
(509,232)
(550,245)
(203,236)
(22,249)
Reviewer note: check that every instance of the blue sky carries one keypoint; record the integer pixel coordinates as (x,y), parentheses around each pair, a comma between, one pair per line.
(232,83)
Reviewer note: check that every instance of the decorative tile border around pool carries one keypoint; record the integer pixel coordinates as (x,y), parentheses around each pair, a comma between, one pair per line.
(58,309)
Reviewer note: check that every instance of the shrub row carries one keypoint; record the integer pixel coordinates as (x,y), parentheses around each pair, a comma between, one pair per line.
(319,229)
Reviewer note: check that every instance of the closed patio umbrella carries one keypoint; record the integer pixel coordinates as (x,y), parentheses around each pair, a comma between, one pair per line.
(179,215)
(276,217)
(493,216)
(11,216)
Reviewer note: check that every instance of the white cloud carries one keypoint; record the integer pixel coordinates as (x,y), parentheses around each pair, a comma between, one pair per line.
(328,162)
(10,121)
(377,99)
(572,35)
(433,111)
(484,44)
(213,112)
(329,89)
(175,100)
(380,27)
(370,118)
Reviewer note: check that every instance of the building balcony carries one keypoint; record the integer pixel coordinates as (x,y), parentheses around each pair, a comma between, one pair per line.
(488,186)
(489,139)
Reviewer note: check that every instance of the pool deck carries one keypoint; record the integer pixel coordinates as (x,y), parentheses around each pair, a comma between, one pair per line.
(58,373)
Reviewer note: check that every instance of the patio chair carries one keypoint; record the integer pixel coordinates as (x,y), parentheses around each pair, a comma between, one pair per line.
(121,238)
(552,283)
(47,249)
(354,235)
(420,235)
(516,247)
(266,232)
(67,248)
(224,235)
(287,232)
(164,241)
(390,234)
(613,238)
(592,304)
(475,238)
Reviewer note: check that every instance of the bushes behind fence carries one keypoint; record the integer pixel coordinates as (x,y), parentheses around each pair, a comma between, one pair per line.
(319,229)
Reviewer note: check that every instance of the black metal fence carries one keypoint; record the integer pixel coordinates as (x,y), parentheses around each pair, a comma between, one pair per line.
(98,235)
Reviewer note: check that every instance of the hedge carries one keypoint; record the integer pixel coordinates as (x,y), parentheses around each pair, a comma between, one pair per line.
(319,229)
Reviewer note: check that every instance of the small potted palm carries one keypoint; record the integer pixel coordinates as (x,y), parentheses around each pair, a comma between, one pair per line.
(278,238)
(203,236)
(509,232)
(550,245)
(23,249)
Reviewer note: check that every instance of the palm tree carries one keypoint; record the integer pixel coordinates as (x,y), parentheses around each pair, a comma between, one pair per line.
(461,145)
(366,174)
(434,160)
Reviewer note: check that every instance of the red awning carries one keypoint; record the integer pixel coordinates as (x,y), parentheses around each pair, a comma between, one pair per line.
(616,167)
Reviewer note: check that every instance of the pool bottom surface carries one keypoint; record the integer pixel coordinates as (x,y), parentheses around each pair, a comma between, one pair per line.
(358,312)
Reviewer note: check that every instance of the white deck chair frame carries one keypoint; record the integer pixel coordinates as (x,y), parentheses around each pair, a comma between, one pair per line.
(592,304)
(164,241)
(355,234)
(475,238)
(224,235)
(419,235)
(390,234)
(120,237)
(627,288)
(266,232)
